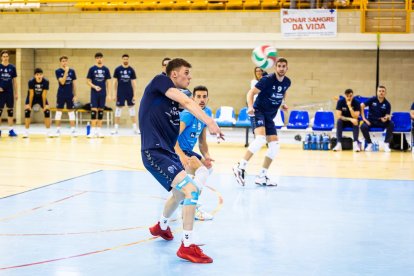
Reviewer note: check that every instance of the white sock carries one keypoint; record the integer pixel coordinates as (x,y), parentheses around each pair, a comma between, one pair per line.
(58,128)
(116,126)
(72,129)
(10,128)
(99,130)
(263,172)
(164,222)
(134,126)
(243,164)
(187,238)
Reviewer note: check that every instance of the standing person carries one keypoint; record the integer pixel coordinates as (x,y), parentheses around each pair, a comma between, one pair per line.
(347,110)
(66,95)
(164,64)
(8,91)
(191,131)
(271,91)
(38,88)
(258,74)
(159,120)
(98,79)
(379,115)
(412,127)
(125,87)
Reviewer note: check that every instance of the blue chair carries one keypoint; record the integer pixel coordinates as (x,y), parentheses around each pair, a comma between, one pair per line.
(324,121)
(298,120)
(227,119)
(402,121)
(361,99)
(279,119)
(243,120)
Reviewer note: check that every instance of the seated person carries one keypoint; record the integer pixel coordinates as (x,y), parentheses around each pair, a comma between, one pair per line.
(379,115)
(348,110)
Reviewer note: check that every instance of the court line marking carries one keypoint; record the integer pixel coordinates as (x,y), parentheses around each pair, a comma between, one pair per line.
(218,208)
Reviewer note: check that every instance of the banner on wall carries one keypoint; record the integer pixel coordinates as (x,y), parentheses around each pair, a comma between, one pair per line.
(308,23)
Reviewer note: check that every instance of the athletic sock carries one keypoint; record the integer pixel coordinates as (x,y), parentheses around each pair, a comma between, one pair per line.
(187,238)
(164,222)
(243,164)
(263,172)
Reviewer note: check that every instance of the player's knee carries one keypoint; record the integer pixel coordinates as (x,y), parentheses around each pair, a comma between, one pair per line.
(71,116)
(132,111)
(190,190)
(47,113)
(100,114)
(27,113)
(10,112)
(257,143)
(1,111)
(273,150)
(118,112)
(58,115)
(93,115)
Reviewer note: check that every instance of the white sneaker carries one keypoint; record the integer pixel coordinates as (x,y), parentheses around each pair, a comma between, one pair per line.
(200,214)
(74,133)
(25,135)
(356,146)
(387,147)
(100,135)
(264,181)
(114,132)
(239,174)
(50,135)
(338,147)
(90,135)
(369,147)
(136,131)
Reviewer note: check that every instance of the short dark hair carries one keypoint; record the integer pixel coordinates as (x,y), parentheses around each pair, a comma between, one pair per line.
(348,91)
(38,71)
(382,86)
(63,57)
(4,52)
(98,54)
(125,55)
(281,59)
(175,64)
(199,88)
(164,60)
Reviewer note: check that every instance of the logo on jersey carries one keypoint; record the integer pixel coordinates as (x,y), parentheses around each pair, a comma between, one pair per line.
(171,169)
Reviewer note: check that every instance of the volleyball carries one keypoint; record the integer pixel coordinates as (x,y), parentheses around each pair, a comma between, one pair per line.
(264,56)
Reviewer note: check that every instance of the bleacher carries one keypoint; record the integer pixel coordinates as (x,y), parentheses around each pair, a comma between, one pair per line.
(40,6)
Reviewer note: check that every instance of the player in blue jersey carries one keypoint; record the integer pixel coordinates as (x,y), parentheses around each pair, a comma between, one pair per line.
(125,87)
(271,90)
(38,89)
(191,131)
(98,79)
(66,94)
(8,91)
(159,121)
(379,115)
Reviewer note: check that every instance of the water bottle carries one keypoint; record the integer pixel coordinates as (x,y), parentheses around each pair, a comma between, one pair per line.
(325,142)
(314,137)
(88,128)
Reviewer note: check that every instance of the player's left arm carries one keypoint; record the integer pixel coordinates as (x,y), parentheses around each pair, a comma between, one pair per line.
(16,94)
(134,89)
(203,146)
(108,89)
(44,97)
(74,90)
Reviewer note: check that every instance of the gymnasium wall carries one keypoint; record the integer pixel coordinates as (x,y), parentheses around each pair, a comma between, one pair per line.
(317,75)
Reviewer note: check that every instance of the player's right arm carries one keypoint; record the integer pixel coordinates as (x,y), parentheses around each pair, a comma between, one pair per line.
(62,80)
(249,98)
(363,114)
(187,103)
